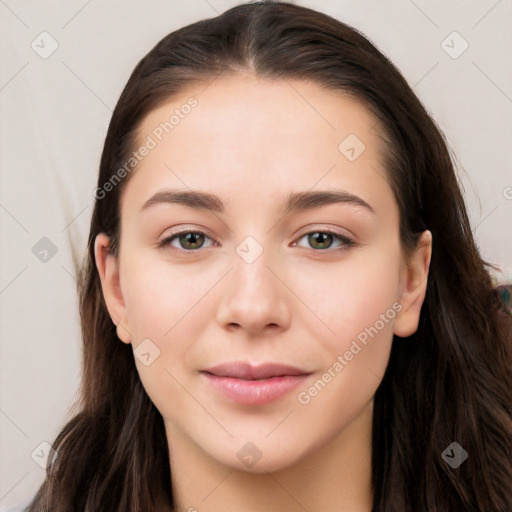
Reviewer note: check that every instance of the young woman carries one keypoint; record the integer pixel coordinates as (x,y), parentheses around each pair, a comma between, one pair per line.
(283,305)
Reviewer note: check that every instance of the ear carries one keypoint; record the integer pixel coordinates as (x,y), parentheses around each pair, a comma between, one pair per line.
(414,286)
(108,269)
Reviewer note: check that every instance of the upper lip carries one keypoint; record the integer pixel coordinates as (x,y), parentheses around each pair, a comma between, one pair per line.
(246,371)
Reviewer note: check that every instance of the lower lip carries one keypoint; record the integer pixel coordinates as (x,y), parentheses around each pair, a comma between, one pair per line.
(254,392)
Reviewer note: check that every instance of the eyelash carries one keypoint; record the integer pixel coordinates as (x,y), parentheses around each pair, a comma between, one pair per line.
(346,241)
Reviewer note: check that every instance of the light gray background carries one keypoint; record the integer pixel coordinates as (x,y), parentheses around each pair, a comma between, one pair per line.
(54,115)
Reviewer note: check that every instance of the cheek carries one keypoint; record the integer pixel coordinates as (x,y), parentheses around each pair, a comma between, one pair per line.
(352,296)
(160,294)
(165,304)
(338,300)
(161,310)
(354,357)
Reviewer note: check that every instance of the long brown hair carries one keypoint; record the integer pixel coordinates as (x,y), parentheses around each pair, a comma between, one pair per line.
(448,382)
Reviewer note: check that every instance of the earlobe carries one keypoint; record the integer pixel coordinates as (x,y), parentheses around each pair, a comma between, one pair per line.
(107,265)
(414,287)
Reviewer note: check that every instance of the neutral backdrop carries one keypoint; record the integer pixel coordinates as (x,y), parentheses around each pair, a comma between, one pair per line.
(64,65)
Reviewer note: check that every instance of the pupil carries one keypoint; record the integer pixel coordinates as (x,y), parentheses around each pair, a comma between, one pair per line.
(190,238)
(318,238)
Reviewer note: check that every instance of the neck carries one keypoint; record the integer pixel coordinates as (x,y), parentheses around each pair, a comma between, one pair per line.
(337,476)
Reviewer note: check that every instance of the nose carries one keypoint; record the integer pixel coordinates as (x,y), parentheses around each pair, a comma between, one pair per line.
(255,297)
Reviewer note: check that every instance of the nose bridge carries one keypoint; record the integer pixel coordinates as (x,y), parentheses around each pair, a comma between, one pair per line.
(251,267)
(255,297)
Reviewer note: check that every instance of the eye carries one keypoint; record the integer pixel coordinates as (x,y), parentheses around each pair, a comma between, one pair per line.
(188,240)
(318,240)
(322,240)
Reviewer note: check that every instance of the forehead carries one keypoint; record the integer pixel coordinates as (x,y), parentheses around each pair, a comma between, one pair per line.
(267,135)
(248,106)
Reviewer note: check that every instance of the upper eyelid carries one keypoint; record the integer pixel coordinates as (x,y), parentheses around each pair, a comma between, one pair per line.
(204,231)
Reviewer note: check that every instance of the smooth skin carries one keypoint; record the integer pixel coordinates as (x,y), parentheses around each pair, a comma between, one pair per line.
(302,301)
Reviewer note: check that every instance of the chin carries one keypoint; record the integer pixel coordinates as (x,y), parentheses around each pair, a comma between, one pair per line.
(260,463)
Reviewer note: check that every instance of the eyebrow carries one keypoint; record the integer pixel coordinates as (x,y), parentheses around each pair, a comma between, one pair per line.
(296,201)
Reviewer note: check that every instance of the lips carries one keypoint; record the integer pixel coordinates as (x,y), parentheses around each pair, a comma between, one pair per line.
(253,385)
(245,371)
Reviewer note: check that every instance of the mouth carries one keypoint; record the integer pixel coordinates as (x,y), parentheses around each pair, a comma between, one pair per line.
(254,385)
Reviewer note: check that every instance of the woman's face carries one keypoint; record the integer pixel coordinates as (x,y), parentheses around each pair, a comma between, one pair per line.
(295,274)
